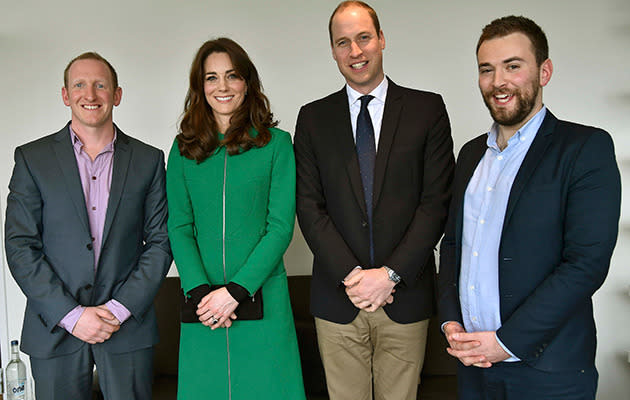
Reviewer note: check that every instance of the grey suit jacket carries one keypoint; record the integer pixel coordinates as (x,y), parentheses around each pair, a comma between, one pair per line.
(49,246)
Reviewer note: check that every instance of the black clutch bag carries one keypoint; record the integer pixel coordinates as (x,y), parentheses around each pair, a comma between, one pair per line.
(249,309)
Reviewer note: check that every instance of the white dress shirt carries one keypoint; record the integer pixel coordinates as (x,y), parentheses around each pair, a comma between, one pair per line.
(375,108)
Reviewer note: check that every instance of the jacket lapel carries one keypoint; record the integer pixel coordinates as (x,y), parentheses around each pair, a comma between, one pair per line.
(530,162)
(122,158)
(389,126)
(68,165)
(340,120)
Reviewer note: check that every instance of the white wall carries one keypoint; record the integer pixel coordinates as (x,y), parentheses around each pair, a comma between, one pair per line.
(430,45)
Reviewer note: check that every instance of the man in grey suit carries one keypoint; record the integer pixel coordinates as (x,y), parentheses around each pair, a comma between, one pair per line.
(86,242)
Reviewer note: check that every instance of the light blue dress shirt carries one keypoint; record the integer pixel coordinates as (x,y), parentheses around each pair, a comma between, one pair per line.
(485,203)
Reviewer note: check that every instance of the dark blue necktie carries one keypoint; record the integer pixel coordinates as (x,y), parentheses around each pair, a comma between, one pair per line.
(366,151)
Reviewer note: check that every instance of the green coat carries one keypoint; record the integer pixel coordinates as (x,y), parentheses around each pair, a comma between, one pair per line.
(252,359)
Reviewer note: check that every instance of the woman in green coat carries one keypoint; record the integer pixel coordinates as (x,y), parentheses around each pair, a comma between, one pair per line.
(231,202)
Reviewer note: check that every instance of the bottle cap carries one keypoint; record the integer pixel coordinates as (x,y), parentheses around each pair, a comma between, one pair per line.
(14,343)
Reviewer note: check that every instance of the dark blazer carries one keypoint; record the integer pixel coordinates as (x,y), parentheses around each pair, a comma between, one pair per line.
(559,232)
(49,246)
(413,173)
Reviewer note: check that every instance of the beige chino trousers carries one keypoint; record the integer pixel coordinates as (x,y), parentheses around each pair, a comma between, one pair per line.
(373,357)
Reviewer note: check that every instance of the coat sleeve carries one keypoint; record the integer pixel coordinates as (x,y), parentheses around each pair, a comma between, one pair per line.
(427,225)
(42,286)
(333,256)
(141,285)
(280,218)
(589,236)
(181,225)
(449,308)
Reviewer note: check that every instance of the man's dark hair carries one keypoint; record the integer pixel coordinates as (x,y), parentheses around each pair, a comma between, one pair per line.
(512,24)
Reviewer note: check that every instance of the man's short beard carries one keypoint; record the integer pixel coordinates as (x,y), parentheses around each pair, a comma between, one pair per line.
(524,107)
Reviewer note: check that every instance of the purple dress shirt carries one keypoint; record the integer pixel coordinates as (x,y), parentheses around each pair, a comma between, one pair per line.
(96,180)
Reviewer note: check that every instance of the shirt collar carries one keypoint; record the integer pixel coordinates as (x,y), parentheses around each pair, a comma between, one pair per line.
(379,92)
(78,144)
(526,133)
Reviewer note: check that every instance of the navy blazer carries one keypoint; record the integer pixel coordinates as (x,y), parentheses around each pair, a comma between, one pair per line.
(558,236)
(412,179)
(49,246)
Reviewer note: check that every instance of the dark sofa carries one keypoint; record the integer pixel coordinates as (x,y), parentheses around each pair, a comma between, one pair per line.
(438,380)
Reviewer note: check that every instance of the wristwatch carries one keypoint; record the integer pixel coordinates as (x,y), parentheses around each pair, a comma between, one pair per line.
(393,276)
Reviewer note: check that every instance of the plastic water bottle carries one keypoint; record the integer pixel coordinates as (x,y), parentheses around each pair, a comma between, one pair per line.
(16,375)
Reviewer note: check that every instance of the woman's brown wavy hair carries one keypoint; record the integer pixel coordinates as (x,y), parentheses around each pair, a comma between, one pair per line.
(198,131)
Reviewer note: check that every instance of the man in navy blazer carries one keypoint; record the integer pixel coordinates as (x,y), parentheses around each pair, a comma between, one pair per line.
(532,225)
(86,242)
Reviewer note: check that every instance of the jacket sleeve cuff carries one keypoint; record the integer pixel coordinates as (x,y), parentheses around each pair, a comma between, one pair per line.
(512,356)
(198,293)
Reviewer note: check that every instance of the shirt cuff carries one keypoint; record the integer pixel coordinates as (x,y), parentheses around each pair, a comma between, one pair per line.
(70,320)
(444,324)
(120,312)
(512,358)
(344,279)
(238,292)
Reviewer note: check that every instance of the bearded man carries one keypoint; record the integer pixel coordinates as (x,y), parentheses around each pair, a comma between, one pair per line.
(532,226)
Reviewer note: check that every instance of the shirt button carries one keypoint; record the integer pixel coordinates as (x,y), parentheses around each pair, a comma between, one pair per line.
(472,287)
(475,253)
(474,319)
(500,158)
(93,208)
(483,221)
(93,178)
(489,189)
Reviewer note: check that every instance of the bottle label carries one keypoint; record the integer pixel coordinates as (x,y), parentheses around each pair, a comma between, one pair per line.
(16,390)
